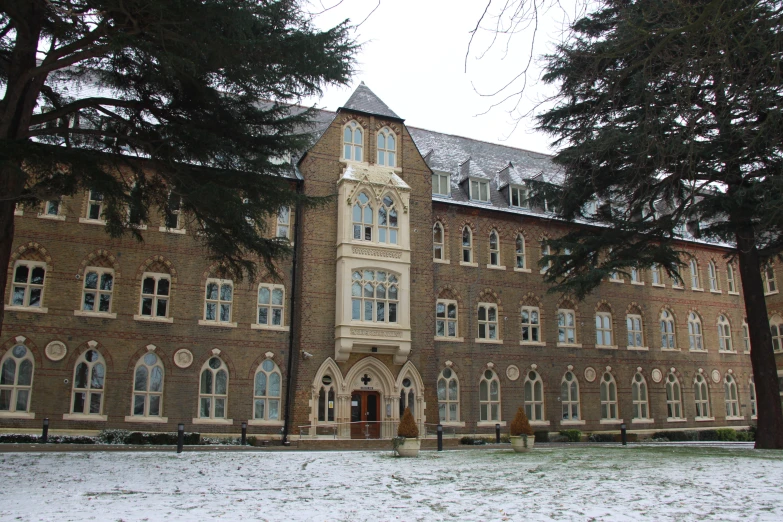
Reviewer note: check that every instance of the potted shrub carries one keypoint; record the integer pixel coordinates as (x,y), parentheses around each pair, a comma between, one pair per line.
(407,443)
(521,433)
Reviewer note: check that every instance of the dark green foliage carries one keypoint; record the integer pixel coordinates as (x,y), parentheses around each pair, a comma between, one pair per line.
(600,437)
(676,436)
(542,436)
(17,438)
(726,434)
(572,435)
(479,441)
(162,439)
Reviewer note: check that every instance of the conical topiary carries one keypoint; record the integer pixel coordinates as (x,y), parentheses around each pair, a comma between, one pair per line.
(520,424)
(407,427)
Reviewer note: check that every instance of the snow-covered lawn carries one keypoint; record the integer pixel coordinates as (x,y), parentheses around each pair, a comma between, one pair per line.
(565,483)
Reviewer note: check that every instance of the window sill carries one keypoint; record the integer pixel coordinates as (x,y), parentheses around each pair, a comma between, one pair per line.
(450,339)
(704,419)
(733,293)
(489,424)
(496,267)
(618,281)
(138,227)
(88,221)
(539,423)
(453,424)
(642,421)
(678,287)
(728,351)
(16,415)
(670,349)
(637,283)
(220,324)
(171,230)
(611,421)
(18,212)
(735,418)
(658,285)
(531,343)
(697,289)
(224,422)
(568,345)
(489,341)
(441,261)
(638,348)
(148,319)
(270,328)
(146,420)
(523,270)
(697,351)
(670,419)
(715,291)
(463,263)
(99,315)
(754,417)
(572,422)
(85,417)
(31,309)
(261,422)
(605,347)
(53,217)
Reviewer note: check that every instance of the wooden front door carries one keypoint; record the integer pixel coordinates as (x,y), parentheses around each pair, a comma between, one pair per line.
(365,415)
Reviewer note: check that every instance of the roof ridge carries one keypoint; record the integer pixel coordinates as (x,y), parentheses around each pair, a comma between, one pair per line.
(545,154)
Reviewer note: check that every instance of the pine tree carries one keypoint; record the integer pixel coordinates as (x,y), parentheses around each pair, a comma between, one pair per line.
(668,121)
(159,106)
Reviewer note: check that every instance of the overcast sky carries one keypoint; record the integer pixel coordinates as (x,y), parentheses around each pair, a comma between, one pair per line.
(413,57)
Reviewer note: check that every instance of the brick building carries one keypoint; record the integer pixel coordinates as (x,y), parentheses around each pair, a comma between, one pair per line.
(416,285)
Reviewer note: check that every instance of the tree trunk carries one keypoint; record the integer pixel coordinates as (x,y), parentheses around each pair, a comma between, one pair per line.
(11,184)
(769,434)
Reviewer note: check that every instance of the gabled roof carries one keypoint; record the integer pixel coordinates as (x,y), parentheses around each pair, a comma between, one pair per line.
(366,101)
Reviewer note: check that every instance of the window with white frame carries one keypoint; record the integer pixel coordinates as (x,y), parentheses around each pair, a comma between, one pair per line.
(566,327)
(28,284)
(746,336)
(608,397)
(374,296)
(270,305)
(16,380)
(387,148)
(520,252)
(770,284)
(633,324)
(218,300)
(88,384)
(702,397)
(213,389)
(98,289)
(530,324)
(148,386)
(732,286)
(266,392)
(448,396)
(362,218)
(546,250)
(446,318)
(407,397)
(615,276)
(667,331)
(752,395)
(569,396)
(284,222)
(713,272)
(657,278)
(173,214)
(52,207)
(694,332)
(518,197)
(636,277)
(326,399)
(489,397)
(776,329)
(732,398)
(353,142)
(487,321)
(438,250)
(673,397)
(695,283)
(724,335)
(441,183)
(534,396)
(603,329)
(155,290)
(494,249)
(95,205)
(467,245)
(641,404)
(479,190)
(676,277)
(388,226)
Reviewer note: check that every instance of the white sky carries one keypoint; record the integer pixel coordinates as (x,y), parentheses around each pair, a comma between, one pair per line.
(413,58)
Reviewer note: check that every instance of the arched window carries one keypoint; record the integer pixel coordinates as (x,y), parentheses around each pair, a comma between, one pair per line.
(438,252)
(326,399)
(148,386)
(636,276)
(374,296)
(724,335)
(467,245)
(770,284)
(746,336)
(28,284)
(213,391)
(731,284)
(752,394)
(608,397)
(776,329)
(566,327)
(387,222)
(569,396)
(16,379)
(657,278)
(270,305)
(489,397)
(407,397)
(88,382)
(155,290)
(603,329)
(667,331)
(218,300)
(446,318)
(387,148)
(702,397)
(520,251)
(633,324)
(673,397)
(694,266)
(98,289)
(530,324)
(494,249)
(448,396)
(732,398)
(353,142)
(641,404)
(487,321)
(266,392)
(694,332)
(362,218)
(534,396)
(714,286)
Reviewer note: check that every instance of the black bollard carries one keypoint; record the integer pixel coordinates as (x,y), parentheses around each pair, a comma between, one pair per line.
(497,433)
(45,434)
(440,437)
(623,435)
(244,433)
(180,437)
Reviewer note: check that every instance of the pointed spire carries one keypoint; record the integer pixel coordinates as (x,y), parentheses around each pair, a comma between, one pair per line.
(364,100)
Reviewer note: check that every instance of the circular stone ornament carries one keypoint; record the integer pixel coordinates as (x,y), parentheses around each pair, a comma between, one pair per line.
(657,376)
(715,376)
(183,358)
(512,372)
(589,374)
(55,351)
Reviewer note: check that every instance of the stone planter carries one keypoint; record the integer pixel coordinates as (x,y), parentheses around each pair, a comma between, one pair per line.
(522,443)
(409,448)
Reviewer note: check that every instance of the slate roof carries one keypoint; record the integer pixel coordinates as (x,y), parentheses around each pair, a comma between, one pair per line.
(364,100)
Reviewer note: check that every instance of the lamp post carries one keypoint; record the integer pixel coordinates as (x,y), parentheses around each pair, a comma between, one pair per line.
(440,437)
(180,437)
(244,433)
(45,434)
(497,433)
(623,434)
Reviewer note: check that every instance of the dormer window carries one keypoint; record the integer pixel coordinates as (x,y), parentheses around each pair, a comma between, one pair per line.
(518,197)
(353,142)
(479,190)
(441,183)
(387,148)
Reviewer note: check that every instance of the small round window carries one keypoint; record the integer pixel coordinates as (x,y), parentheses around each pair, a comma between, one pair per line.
(327,380)
(406,382)
(447,373)
(488,374)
